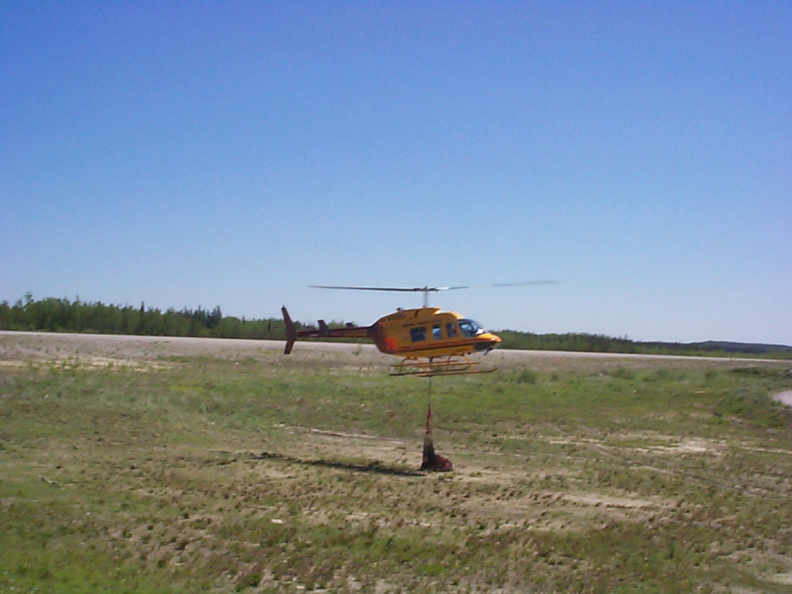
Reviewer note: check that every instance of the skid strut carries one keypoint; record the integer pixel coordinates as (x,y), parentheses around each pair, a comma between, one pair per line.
(432,366)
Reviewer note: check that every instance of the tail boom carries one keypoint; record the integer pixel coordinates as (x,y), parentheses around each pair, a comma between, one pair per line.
(292,334)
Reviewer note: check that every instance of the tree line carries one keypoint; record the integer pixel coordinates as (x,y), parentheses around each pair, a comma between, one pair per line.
(62,315)
(596,343)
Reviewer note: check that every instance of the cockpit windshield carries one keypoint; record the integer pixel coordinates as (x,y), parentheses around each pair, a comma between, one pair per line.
(470,328)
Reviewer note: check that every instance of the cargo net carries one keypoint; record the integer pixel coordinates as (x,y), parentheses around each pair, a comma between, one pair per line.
(431,460)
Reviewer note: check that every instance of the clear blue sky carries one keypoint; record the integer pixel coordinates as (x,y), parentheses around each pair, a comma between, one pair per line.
(231,153)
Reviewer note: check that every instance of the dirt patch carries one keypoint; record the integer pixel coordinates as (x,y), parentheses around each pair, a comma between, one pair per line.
(784,397)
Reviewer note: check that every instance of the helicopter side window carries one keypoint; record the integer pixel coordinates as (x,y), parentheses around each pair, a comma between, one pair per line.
(451,330)
(418,334)
(470,328)
(437,332)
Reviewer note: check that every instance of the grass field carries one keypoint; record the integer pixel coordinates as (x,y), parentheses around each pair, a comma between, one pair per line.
(174,466)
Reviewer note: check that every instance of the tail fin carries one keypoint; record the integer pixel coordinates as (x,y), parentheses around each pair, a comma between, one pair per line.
(291,333)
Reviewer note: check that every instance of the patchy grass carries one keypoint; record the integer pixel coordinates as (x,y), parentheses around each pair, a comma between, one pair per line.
(130,466)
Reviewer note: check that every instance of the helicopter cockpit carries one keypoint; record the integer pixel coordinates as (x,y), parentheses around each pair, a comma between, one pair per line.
(470,328)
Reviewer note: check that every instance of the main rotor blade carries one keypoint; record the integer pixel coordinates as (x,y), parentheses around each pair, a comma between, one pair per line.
(539,282)
(427,290)
(433,289)
(397,289)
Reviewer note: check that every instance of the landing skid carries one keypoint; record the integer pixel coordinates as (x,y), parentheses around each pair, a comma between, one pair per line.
(436,366)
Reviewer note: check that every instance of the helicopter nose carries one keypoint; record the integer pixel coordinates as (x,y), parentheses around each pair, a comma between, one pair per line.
(488,342)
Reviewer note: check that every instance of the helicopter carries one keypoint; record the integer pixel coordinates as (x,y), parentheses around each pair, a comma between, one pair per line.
(430,341)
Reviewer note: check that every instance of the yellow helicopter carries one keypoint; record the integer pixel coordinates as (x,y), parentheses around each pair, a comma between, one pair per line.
(430,341)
